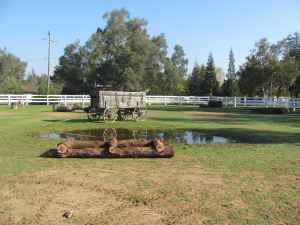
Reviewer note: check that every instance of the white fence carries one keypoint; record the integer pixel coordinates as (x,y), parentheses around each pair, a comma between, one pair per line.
(84,100)
(227,101)
(45,99)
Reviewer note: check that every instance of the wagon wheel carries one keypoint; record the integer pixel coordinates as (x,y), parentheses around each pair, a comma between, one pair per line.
(110,114)
(135,114)
(109,134)
(138,114)
(121,115)
(127,114)
(93,115)
(142,113)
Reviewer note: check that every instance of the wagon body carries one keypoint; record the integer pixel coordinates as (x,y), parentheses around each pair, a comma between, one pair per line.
(121,105)
(120,99)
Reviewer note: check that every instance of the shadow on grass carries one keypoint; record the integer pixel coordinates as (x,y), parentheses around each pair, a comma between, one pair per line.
(52,121)
(239,116)
(243,135)
(81,121)
(195,108)
(71,121)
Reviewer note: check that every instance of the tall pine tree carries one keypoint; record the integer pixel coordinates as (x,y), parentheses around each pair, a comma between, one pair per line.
(230,86)
(195,81)
(231,68)
(210,83)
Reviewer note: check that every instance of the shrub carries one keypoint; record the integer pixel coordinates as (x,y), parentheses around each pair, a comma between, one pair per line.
(61,108)
(270,110)
(215,104)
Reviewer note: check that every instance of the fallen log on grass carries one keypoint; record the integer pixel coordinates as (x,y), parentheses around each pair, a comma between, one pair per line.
(113,149)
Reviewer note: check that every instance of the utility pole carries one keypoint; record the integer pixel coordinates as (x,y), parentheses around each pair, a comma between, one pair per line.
(49,63)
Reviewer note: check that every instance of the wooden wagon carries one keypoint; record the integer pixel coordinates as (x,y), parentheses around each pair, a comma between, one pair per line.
(117,105)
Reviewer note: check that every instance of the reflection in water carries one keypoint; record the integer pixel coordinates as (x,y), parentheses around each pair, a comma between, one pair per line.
(185,136)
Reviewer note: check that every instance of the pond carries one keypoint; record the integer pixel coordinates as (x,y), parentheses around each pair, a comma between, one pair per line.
(183,136)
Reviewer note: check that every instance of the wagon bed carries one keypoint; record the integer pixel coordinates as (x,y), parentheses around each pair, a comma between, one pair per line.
(117,105)
(121,99)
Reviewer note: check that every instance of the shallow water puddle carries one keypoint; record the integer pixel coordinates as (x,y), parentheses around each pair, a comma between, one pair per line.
(183,136)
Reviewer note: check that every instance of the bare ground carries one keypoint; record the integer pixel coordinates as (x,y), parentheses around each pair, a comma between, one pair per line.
(210,115)
(117,196)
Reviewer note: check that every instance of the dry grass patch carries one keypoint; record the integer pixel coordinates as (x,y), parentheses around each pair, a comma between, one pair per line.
(210,115)
(118,196)
(3,114)
(63,115)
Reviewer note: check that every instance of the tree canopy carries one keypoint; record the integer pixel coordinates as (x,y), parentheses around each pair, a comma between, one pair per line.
(272,69)
(12,72)
(125,56)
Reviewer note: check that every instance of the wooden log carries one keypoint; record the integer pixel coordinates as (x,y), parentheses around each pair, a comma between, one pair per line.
(113,149)
(112,145)
(159,145)
(141,152)
(72,143)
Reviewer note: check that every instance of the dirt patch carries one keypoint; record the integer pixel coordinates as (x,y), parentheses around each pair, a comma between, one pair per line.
(121,196)
(177,191)
(210,115)
(63,115)
(7,114)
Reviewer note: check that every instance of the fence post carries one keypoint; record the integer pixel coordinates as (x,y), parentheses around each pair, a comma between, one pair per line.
(235,103)
(9,101)
(165,100)
(245,101)
(65,100)
(47,99)
(83,105)
(294,105)
(265,101)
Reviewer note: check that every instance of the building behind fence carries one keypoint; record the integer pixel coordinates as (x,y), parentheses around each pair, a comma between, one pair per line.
(84,100)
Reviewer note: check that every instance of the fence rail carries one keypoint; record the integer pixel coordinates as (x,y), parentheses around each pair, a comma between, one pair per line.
(84,100)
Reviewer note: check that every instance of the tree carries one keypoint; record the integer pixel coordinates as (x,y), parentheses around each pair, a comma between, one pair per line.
(231,73)
(38,84)
(293,46)
(271,69)
(256,75)
(71,70)
(179,60)
(220,75)
(179,72)
(297,87)
(195,81)
(230,86)
(12,72)
(125,56)
(210,83)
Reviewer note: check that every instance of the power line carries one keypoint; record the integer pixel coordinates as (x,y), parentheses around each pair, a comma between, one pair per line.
(49,58)
(50,42)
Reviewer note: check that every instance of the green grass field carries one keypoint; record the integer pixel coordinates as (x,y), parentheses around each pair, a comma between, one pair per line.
(256,181)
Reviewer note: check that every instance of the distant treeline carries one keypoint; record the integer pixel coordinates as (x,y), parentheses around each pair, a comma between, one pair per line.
(125,56)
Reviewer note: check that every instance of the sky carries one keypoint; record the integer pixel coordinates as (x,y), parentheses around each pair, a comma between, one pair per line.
(200,26)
